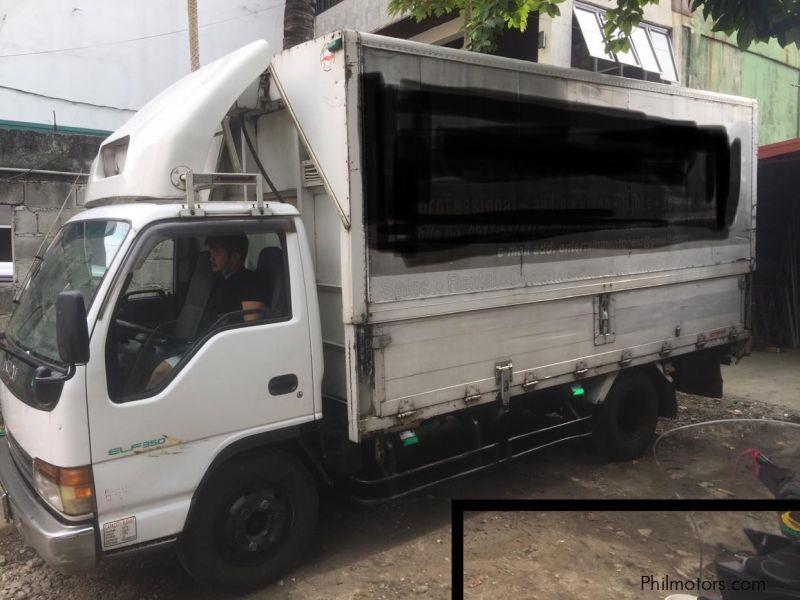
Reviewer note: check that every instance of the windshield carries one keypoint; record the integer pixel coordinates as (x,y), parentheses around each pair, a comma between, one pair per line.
(76,260)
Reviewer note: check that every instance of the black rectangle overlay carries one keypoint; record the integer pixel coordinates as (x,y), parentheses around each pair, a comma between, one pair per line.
(461,506)
(454,172)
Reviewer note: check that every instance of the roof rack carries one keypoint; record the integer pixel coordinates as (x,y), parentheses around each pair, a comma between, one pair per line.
(184,178)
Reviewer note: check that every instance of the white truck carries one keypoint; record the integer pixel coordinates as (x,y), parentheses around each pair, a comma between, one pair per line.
(368,261)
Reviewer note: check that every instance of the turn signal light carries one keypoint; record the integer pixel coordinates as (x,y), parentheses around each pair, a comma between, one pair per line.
(68,490)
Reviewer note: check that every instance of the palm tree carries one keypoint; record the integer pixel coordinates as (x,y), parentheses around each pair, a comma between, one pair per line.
(298,22)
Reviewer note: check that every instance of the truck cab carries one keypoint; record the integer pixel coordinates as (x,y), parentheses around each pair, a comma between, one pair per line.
(130,289)
(151,290)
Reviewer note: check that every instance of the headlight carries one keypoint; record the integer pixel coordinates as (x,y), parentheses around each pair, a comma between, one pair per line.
(68,490)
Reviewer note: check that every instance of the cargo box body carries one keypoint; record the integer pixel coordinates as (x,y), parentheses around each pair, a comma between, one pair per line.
(468,212)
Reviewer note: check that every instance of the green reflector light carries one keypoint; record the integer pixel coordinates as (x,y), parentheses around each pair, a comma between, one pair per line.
(409,438)
(334,45)
(577,390)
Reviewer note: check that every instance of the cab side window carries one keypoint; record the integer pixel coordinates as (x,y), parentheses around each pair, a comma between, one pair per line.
(183,287)
(157,272)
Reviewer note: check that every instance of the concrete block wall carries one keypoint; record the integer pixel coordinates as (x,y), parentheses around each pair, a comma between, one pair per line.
(37,198)
(37,215)
(362,15)
(157,270)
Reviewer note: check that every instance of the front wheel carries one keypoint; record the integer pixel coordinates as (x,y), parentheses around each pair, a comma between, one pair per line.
(624,425)
(252,521)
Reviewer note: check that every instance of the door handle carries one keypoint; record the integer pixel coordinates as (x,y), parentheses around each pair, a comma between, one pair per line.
(283,384)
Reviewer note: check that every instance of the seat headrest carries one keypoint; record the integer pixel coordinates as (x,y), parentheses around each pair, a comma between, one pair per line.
(270,259)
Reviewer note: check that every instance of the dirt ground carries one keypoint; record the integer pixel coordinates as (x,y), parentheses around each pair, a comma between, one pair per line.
(402,549)
(595,555)
(767,376)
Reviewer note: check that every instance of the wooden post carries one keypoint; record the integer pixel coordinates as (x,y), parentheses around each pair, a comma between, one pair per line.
(194,50)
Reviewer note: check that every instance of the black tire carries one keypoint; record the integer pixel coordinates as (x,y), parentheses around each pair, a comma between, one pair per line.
(253,520)
(624,426)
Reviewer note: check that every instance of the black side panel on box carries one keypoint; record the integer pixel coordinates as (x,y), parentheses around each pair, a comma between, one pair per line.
(453,172)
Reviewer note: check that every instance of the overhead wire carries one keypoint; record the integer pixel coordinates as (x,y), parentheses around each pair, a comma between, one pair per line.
(13,89)
(146,37)
(250,13)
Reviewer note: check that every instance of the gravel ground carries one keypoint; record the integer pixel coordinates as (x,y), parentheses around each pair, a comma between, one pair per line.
(608,554)
(397,550)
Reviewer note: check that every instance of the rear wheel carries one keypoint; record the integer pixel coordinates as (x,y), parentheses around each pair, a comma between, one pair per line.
(624,425)
(252,521)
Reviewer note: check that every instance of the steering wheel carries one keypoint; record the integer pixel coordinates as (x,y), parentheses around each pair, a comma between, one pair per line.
(146,355)
(150,332)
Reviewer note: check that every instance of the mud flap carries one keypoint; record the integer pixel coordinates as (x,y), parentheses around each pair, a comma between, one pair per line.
(667,402)
(699,373)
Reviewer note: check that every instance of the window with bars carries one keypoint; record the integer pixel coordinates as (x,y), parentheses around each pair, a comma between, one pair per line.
(323,5)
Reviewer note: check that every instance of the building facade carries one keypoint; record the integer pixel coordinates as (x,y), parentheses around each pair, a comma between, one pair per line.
(673,45)
(91,63)
(766,72)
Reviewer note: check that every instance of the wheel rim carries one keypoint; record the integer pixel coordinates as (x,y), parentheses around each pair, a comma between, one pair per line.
(256,524)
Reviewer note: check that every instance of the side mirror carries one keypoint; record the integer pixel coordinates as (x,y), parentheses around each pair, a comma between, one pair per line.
(72,333)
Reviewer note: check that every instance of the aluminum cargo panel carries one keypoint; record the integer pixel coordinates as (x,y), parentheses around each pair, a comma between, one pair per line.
(441,360)
(311,80)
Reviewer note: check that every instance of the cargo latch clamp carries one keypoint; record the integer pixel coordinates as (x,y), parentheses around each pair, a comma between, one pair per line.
(503,373)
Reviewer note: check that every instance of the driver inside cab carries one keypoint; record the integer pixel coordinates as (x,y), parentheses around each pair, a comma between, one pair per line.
(235,289)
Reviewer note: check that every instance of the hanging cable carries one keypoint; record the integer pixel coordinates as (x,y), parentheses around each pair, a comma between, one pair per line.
(255,156)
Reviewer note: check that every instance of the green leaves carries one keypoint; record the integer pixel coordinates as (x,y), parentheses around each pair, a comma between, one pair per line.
(750,20)
(620,23)
(552,10)
(422,9)
(484,20)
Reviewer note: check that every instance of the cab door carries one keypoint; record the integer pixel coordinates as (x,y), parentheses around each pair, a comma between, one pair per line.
(229,377)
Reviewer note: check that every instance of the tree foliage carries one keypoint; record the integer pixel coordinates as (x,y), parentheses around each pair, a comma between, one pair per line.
(750,20)
(484,20)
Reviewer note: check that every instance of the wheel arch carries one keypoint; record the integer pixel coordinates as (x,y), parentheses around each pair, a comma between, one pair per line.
(655,372)
(289,440)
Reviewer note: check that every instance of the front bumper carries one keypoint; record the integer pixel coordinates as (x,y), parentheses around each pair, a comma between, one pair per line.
(69,548)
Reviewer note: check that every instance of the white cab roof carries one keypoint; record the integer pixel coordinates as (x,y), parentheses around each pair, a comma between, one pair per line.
(143,213)
(174,129)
